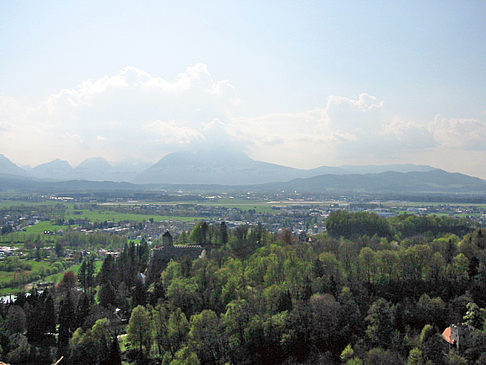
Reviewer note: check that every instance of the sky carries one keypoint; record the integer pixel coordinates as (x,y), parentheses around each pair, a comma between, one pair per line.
(298,83)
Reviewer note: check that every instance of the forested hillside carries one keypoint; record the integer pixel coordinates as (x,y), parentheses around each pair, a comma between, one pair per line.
(370,291)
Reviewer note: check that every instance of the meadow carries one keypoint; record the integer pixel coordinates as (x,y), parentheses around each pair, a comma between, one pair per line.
(101,215)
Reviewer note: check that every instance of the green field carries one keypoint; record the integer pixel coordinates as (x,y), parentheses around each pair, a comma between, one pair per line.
(7,277)
(55,278)
(244,204)
(18,203)
(37,266)
(100,215)
(45,226)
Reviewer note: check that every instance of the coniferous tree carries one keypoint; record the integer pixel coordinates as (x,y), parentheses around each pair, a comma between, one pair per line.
(223,233)
(49,315)
(107,295)
(90,272)
(107,271)
(82,276)
(66,323)
(34,321)
(82,310)
(139,296)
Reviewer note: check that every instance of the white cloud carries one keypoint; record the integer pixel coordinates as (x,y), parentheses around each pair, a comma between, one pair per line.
(133,114)
(170,133)
(129,114)
(460,133)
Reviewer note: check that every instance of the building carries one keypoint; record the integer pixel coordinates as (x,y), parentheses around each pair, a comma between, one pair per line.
(457,335)
(167,239)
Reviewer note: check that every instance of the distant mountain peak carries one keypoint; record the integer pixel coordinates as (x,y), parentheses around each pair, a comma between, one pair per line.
(94,162)
(9,168)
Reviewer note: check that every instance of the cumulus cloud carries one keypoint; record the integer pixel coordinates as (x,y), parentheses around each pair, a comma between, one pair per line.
(467,134)
(170,133)
(126,115)
(345,130)
(133,114)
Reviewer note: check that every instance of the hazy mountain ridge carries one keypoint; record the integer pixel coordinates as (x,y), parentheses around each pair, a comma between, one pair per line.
(8,167)
(92,169)
(207,167)
(434,181)
(57,169)
(212,166)
(232,171)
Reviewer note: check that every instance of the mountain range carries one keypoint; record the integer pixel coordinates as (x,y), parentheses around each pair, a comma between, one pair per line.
(203,166)
(233,171)
(93,169)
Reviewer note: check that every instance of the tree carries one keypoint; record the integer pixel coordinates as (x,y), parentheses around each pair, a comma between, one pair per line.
(82,276)
(21,352)
(235,321)
(177,330)
(415,357)
(473,316)
(59,249)
(107,295)
(160,317)
(380,323)
(182,238)
(107,272)
(223,233)
(185,357)
(102,336)
(460,265)
(66,323)
(16,319)
(380,356)
(347,353)
(114,357)
(325,317)
(138,330)
(139,296)
(68,281)
(205,337)
(199,234)
(90,271)
(367,261)
(349,224)
(49,315)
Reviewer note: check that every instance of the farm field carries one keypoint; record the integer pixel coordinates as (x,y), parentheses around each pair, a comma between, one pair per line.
(9,278)
(37,267)
(55,278)
(108,215)
(259,206)
(43,226)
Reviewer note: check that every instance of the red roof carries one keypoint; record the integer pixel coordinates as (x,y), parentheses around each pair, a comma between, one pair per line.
(446,335)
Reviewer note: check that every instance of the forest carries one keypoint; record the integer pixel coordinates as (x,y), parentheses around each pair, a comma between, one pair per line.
(370,290)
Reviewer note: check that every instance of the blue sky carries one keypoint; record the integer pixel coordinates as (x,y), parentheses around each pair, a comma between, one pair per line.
(301,83)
